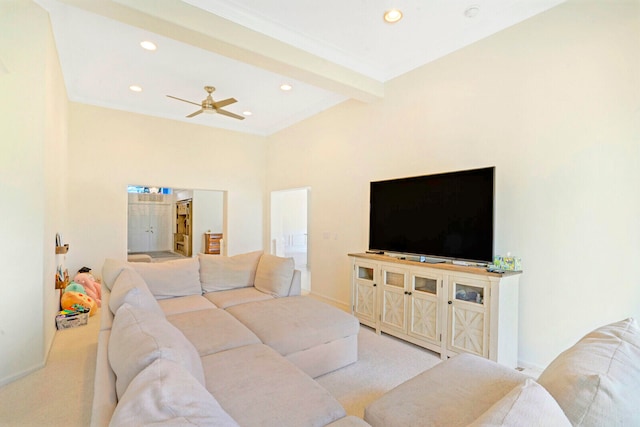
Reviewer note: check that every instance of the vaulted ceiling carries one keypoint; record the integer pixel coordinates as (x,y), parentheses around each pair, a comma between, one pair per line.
(327,51)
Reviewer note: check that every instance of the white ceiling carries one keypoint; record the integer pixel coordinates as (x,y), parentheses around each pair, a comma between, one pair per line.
(329,51)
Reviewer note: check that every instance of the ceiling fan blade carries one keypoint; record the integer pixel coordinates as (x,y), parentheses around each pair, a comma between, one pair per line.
(195,114)
(230,114)
(224,102)
(184,100)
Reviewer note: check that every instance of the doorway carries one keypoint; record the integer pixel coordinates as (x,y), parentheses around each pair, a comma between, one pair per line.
(289,233)
(167,223)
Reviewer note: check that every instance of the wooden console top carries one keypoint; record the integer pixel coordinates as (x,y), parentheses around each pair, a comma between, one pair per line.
(440,266)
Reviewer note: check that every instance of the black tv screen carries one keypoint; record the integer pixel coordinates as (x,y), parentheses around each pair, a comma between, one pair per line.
(447,215)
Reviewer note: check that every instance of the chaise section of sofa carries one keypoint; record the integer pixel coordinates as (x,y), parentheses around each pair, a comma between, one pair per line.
(452,393)
(594,383)
(316,337)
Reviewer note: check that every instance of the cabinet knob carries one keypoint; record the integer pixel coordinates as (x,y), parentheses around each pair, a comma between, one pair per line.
(374,285)
(409,293)
(449,302)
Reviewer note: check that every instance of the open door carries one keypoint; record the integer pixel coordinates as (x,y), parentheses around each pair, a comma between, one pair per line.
(289,233)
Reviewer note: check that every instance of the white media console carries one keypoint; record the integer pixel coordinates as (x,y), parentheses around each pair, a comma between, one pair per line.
(443,307)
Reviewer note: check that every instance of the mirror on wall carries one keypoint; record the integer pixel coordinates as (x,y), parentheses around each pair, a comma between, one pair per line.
(166,223)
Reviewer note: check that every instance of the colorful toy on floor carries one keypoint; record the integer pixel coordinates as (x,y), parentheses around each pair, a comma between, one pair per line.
(92,287)
(79,308)
(69,299)
(75,287)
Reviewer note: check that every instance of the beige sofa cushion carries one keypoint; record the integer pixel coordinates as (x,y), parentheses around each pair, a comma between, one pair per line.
(257,387)
(226,299)
(176,278)
(528,404)
(596,381)
(454,393)
(292,324)
(138,337)
(164,392)
(130,287)
(212,330)
(183,304)
(219,273)
(274,275)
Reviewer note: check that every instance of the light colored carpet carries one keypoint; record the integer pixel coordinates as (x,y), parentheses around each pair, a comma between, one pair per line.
(61,393)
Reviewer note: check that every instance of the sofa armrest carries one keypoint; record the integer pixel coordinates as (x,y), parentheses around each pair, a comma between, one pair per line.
(296,284)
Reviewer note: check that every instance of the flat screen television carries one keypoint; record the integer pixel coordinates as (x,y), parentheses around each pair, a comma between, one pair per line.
(446,215)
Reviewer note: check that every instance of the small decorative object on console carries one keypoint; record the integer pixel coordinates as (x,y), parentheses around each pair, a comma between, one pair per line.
(507,263)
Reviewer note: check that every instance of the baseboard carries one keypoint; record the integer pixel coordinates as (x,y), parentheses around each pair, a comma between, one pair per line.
(14,377)
(331,301)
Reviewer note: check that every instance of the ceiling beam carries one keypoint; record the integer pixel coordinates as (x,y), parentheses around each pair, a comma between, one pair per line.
(191,25)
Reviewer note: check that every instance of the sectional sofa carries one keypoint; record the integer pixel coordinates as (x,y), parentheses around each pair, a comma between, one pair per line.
(216,340)
(228,341)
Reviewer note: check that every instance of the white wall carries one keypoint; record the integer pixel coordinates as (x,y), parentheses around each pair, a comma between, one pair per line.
(553,103)
(208,214)
(33,122)
(109,149)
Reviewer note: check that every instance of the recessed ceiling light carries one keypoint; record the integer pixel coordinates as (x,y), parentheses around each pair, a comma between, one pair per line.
(286,87)
(392,16)
(135,88)
(148,45)
(247,113)
(472,11)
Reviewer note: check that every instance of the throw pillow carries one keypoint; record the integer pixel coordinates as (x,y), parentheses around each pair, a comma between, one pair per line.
(139,337)
(171,279)
(130,287)
(274,275)
(164,393)
(220,273)
(596,381)
(528,404)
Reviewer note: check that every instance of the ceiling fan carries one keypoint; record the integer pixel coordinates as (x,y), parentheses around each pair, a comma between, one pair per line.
(208,105)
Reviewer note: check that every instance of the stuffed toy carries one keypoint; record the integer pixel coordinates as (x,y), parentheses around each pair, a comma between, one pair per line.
(91,286)
(69,299)
(75,287)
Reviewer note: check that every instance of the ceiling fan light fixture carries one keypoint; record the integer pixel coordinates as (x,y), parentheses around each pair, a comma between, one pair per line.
(247,113)
(135,88)
(210,106)
(286,87)
(392,16)
(147,45)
